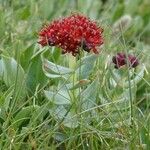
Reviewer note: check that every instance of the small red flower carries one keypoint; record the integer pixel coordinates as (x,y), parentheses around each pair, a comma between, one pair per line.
(120,60)
(72,33)
(133,61)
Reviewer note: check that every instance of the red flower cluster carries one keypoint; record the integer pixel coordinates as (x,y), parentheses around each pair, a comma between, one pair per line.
(72,33)
(121,60)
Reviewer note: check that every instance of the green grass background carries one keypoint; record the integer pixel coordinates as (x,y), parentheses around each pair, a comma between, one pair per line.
(53,101)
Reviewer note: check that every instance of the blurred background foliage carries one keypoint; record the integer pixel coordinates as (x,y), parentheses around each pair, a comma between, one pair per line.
(34,100)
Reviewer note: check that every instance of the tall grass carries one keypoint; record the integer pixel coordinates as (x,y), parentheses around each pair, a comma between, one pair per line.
(54,101)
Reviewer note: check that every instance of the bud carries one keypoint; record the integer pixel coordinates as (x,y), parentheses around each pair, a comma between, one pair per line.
(120,60)
(122,24)
(133,61)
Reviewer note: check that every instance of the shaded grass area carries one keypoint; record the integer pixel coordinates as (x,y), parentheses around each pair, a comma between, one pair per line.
(54,101)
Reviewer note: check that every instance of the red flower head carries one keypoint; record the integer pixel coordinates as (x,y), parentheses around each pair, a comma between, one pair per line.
(71,33)
(120,60)
(133,61)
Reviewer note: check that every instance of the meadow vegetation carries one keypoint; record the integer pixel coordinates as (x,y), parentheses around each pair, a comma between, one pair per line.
(49,100)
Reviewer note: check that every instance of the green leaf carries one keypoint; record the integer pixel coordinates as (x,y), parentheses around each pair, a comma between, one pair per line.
(10,71)
(78,84)
(23,115)
(59,136)
(13,75)
(55,53)
(6,98)
(60,98)
(35,75)
(38,114)
(88,96)
(88,59)
(1,69)
(55,69)
(53,76)
(26,56)
(126,96)
(139,76)
(86,66)
(62,115)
